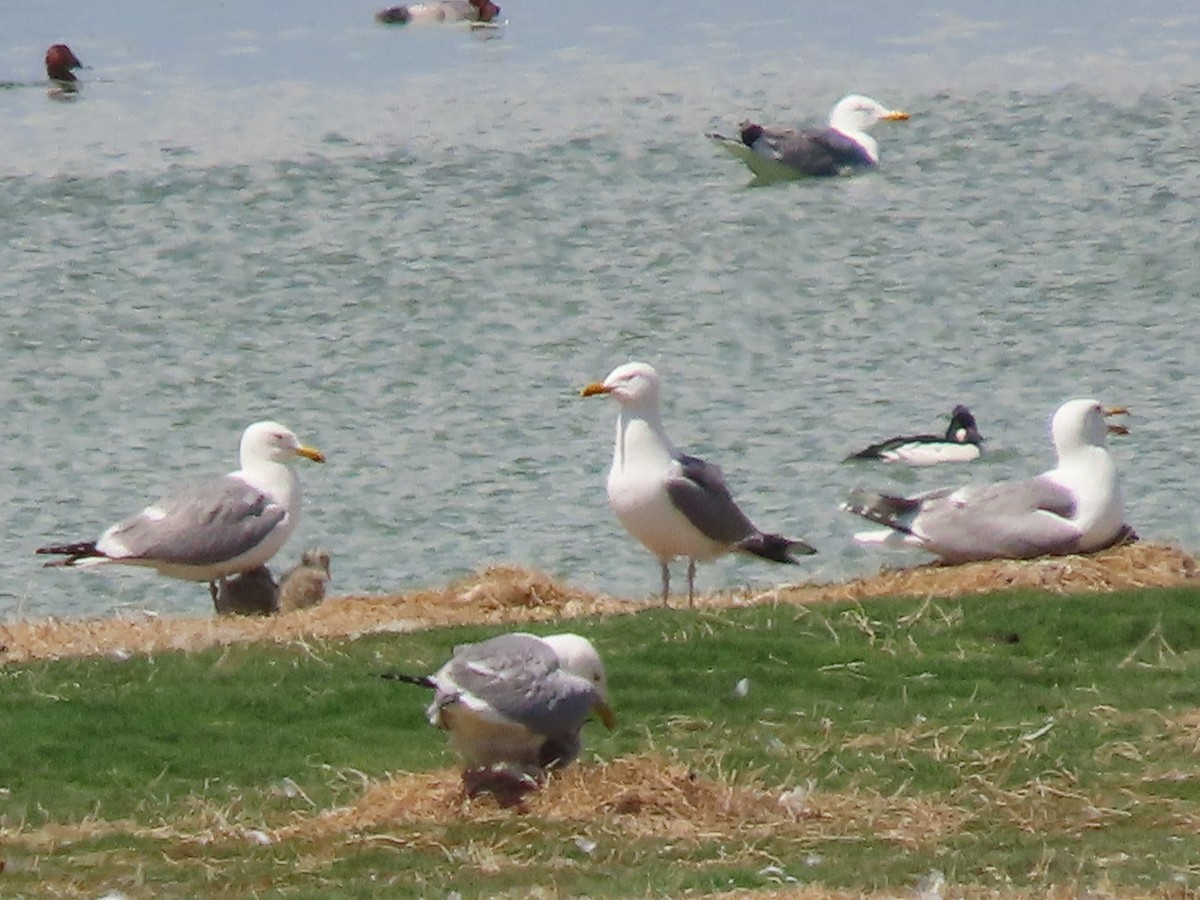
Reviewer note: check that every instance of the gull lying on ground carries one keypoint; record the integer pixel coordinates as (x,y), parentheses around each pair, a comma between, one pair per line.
(1076,507)
(304,585)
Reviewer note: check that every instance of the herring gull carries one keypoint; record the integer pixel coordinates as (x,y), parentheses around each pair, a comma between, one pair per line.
(675,504)
(1076,507)
(962,442)
(514,705)
(843,145)
(214,528)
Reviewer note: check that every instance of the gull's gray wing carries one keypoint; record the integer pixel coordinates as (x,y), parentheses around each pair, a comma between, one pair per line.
(698,490)
(1011,519)
(519,676)
(821,151)
(208,522)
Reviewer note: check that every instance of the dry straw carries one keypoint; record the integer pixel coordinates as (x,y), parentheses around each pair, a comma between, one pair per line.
(505,595)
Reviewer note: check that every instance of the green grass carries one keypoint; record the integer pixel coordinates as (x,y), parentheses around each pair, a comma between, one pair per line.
(1049,728)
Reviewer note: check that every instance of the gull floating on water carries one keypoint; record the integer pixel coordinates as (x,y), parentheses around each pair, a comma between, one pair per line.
(514,705)
(675,504)
(843,145)
(962,442)
(439,11)
(215,528)
(1076,507)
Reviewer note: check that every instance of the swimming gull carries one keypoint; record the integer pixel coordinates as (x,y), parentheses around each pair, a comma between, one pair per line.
(675,504)
(1076,507)
(843,145)
(514,705)
(962,442)
(214,528)
(304,585)
(439,11)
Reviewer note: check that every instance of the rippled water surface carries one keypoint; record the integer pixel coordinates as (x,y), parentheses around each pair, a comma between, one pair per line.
(414,247)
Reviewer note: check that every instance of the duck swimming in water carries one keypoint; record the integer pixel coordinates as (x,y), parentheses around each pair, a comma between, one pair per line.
(962,442)
(59,63)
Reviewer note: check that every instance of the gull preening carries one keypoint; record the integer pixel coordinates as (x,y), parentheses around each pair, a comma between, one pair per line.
(675,504)
(514,705)
(841,146)
(1076,507)
(962,442)
(214,528)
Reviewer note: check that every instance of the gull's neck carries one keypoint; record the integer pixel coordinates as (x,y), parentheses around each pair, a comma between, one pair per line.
(863,139)
(1089,471)
(273,477)
(641,442)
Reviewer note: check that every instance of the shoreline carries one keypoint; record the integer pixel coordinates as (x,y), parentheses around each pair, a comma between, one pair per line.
(512,595)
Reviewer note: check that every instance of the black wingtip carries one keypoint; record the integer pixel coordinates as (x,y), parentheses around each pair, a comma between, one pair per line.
(884,509)
(420,680)
(776,548)
(74,552)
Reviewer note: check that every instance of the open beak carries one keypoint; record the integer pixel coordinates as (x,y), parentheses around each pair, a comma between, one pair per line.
(604,711)
(1112,427)
(311,453)
(895,116)
(593,389)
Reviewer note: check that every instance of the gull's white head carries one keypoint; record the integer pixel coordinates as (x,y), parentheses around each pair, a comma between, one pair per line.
(857,114)
(1081,423)
(578,656)
(270,441)
(634,384)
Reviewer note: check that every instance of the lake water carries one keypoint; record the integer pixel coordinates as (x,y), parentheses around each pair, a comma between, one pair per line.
(414,246)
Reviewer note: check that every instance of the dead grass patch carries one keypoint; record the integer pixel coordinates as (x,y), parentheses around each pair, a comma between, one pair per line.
(633,798)
(509,595)
(641,797)
(1126,567)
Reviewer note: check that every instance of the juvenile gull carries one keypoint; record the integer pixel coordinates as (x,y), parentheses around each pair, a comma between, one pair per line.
(843,145)
(304,585)
(1076,507)
(962,442)
(514,705)
(214,528)
(252,593)
(675,504)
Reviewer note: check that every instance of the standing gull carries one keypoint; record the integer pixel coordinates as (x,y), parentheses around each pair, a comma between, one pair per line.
(675,504)
(214,528)
(962,442)
(514,705)
(843,145)
(1076,507)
